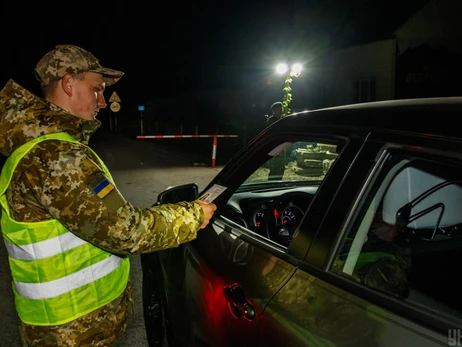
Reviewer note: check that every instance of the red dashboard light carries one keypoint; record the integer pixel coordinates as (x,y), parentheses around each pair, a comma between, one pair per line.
(276,213)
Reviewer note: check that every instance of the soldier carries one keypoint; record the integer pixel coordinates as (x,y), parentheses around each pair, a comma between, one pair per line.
(67,228)
(277,164)
(276,113)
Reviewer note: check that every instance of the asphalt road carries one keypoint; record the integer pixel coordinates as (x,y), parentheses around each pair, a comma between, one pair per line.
(141,170)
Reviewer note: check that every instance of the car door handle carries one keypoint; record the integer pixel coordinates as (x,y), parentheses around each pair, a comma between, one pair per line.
(238,303)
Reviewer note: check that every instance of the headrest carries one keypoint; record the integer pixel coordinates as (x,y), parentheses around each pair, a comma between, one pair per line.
(409,184)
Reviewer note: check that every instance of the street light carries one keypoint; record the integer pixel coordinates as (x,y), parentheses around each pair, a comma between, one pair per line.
(295,71)
(282,68)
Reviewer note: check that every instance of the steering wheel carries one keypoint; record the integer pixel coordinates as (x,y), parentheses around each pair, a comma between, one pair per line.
(281,228)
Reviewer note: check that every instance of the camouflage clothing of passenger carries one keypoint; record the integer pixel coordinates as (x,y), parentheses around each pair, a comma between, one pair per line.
(56,180)
(381,265)
(389,272)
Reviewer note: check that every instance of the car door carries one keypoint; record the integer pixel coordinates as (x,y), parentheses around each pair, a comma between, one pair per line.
(354,289)
(218,286)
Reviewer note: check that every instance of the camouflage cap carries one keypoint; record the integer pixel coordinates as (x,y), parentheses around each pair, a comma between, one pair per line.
(71,59)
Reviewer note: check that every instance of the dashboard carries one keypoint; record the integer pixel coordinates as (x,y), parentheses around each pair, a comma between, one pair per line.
(273,212)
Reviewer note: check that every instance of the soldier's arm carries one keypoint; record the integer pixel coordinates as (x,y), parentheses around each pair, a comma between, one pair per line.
(78,194)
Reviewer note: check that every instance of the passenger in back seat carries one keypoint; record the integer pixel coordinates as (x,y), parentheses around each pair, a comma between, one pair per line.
(384,263)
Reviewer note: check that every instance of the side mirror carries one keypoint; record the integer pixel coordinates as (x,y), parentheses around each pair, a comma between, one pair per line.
(185,192)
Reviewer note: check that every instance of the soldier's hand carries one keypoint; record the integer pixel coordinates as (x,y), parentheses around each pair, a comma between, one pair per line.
(208,208)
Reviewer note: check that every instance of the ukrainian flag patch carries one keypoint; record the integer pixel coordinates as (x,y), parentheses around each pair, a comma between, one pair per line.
(103,188)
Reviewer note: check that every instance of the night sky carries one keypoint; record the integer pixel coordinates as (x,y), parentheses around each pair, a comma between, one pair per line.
(166,47)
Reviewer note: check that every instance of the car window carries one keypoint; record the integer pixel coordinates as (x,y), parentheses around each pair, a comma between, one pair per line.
(406,240)
(300,161)
(274,198)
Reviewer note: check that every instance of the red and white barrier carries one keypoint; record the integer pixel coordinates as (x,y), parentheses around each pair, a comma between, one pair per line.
(214,137)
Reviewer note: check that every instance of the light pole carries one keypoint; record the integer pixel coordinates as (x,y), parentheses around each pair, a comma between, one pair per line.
(295,71)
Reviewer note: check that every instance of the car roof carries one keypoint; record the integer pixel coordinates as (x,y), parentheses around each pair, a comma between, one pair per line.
(431,116)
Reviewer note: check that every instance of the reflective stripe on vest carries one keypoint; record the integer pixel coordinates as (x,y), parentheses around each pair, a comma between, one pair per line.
(44,249)
(57,276)
(70,282)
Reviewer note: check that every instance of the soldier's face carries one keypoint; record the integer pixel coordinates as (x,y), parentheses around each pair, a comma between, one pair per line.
(87,96)
(277,110)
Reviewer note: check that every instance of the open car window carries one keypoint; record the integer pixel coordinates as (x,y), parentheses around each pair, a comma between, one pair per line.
(273,200)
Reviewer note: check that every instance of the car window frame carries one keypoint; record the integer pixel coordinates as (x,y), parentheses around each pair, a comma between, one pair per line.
(331,232)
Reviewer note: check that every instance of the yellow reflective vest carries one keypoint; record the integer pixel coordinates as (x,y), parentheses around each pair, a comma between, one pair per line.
(57,276)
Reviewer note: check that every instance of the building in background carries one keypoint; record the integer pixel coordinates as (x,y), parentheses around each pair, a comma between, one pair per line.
(421,58)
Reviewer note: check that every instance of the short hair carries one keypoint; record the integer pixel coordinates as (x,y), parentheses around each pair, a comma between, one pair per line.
(48,90)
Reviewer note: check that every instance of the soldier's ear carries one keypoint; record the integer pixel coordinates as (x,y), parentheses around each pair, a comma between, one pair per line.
(66,84)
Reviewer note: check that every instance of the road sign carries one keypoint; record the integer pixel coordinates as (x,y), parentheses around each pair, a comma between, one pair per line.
(115,107)
(114,97)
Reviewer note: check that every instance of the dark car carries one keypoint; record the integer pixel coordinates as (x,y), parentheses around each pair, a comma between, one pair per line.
(336,227)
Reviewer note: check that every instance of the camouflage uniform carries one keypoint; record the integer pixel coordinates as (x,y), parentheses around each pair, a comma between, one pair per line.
(388,273)
(381,265)
(55,180)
